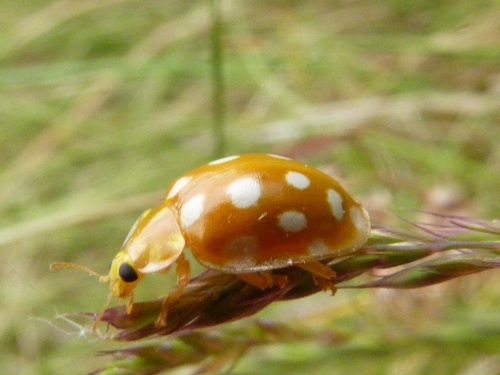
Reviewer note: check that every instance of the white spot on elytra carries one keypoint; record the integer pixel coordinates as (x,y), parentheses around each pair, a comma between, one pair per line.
(240,253)
(192,210)
(242,247)
(359,218)
(223,160)
(292,221)
(318,248)
(244,192)
(179,184)
(297,180)
(335,202)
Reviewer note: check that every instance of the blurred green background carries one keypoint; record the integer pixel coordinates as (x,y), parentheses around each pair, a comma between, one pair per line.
(104,103)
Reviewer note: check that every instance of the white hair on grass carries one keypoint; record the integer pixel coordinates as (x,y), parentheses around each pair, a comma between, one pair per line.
(75,329)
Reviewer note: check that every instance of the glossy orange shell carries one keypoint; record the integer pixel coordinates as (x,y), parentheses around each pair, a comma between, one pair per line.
(261,212)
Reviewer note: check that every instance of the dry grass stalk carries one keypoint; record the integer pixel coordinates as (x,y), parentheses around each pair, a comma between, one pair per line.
(457,248)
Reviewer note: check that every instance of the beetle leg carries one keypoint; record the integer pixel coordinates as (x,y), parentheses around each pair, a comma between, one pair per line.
(322,275)
(183,272)
(255,279)
(279,280)
(263,280)
(130,303)
(325,284)
(101,314)
(318,269)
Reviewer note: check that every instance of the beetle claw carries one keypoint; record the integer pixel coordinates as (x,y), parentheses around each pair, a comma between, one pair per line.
(162,318)
(325,284)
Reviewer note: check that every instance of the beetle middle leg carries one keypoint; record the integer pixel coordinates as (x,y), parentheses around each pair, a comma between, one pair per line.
(183,272)
(263,280)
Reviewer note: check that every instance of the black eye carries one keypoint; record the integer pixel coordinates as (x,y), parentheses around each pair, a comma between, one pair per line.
(127,273)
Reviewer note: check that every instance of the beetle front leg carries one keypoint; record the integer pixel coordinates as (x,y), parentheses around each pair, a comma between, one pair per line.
(130,303)
(183,272)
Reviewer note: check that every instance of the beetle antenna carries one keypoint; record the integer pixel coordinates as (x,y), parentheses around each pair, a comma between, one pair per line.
(61,265)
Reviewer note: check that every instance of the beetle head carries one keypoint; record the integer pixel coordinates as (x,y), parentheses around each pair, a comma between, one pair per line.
(123,276)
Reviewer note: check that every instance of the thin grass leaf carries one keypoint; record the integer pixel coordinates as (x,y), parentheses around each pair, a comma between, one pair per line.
(213,352)
(436,271)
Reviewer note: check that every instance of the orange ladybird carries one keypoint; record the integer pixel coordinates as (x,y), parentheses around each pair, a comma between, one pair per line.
(245,215)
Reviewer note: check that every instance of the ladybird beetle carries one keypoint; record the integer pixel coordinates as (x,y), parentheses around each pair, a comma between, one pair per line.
(246,215)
